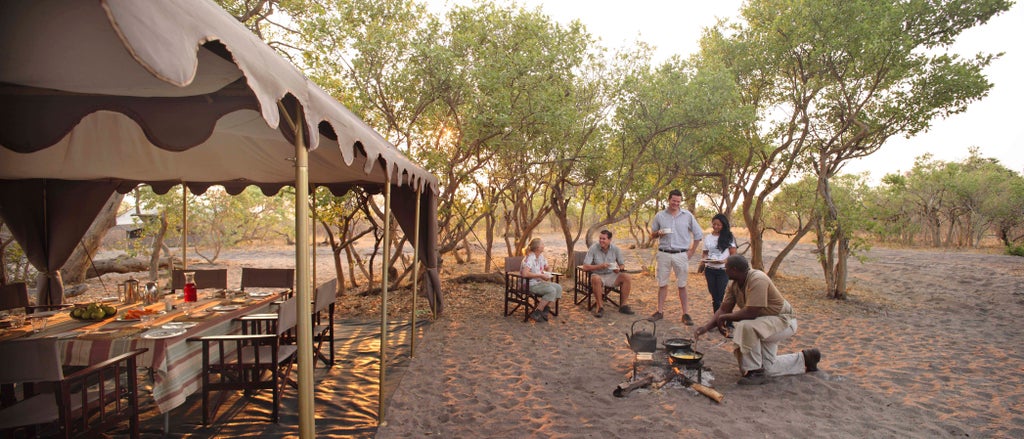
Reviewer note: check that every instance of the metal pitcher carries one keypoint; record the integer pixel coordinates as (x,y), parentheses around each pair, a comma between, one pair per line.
(128,292)
(152,294)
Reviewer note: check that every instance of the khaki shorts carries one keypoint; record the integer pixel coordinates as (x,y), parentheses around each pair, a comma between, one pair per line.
(669,262)
(609,279)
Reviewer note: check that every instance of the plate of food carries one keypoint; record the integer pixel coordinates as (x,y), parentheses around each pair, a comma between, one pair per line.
(260,294)
(225,308)
(163,333)
(135,315)
(713,261)
(178,325)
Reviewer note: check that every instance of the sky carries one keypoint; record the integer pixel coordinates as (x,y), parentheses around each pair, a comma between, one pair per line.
(993,124)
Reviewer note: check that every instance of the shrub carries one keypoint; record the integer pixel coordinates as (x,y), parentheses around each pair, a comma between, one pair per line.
(1015,250)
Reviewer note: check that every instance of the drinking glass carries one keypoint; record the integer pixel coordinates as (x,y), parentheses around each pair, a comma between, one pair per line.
(38,323)
(17,316)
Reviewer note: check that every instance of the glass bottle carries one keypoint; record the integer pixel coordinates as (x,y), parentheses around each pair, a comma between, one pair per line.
(190,287)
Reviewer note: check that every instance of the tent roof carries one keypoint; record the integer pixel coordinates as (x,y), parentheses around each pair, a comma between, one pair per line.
(182,77)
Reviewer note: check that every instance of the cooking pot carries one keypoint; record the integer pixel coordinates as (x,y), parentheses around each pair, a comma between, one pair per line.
(642,341)
(685,358)
(678,344)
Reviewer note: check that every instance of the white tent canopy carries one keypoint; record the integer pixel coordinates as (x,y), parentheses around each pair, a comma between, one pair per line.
(98,96)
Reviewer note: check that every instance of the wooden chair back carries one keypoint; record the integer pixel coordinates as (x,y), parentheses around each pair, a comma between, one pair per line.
(85,403)
(268,278)
(208,278)
(323,322)
(13,295)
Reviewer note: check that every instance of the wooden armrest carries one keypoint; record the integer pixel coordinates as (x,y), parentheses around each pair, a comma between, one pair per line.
(33,308)
(232,337)
(93,368)
(256,317)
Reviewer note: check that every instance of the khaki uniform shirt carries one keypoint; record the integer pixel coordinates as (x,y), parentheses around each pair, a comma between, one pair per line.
(758,291)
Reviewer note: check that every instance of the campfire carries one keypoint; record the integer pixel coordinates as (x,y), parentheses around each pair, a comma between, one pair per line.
(677,365)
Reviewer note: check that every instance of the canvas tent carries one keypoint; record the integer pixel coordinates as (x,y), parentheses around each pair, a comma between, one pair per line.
(100,96)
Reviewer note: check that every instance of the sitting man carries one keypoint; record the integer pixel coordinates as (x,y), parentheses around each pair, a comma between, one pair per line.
(763,320)
(605,263)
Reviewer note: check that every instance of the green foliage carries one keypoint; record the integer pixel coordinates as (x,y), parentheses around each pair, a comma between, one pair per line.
(952,203)
(1015,250)
(215,218)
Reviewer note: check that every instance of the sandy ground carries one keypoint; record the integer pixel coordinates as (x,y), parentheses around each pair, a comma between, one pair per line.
(926,346)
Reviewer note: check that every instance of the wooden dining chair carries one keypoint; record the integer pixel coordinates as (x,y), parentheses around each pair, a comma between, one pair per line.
(268,278)
(253,361)
(86,403)
(206,278)
(323,322)
(581,284)
(15,295)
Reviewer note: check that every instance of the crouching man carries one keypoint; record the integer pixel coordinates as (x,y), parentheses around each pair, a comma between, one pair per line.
(762,318)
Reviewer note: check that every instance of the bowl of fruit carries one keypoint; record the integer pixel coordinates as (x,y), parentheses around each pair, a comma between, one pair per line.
(93,311)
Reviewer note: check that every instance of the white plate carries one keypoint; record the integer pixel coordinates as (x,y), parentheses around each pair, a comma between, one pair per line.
(178,325)
(163,333)
(260,294)
(109,299)
(225,308)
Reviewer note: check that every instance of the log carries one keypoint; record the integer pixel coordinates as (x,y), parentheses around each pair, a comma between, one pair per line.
(700,388)
(707,391)
(624,388)
(672,374)
(494,278)
(121,265)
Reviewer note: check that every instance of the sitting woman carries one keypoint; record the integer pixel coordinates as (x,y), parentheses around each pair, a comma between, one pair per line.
(535,268)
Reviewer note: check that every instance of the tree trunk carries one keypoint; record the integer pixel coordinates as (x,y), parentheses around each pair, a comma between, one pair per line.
(777,262)
(74,269)
(842,269)
(158,244)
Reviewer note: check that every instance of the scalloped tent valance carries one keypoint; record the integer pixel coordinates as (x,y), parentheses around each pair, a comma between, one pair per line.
(102,96)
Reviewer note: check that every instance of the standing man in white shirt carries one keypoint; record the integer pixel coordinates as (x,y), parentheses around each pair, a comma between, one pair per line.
(679,235)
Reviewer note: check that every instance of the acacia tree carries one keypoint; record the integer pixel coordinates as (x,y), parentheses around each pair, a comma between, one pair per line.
(655,138)
(847,76)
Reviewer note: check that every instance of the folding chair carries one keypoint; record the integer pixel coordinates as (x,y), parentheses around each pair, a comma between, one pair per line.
(323,322)
(581,284)
(34,391)
(517,290)
(241,361)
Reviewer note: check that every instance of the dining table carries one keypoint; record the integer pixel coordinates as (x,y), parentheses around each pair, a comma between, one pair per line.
(175,364)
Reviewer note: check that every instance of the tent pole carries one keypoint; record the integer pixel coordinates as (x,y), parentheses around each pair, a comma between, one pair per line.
(184,228)
(313,231)
(415,273)
(304,327)
(384,299)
